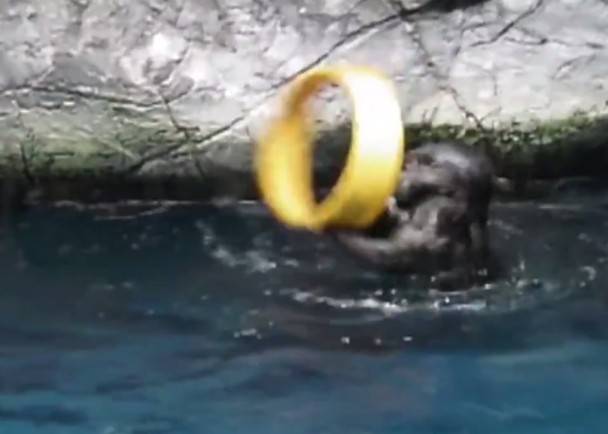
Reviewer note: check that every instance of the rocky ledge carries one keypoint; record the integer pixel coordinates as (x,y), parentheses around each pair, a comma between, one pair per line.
(165,98)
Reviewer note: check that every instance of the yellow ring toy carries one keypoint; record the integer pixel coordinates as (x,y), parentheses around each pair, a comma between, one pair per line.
(284,154)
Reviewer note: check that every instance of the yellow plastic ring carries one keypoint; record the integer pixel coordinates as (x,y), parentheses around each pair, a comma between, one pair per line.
(283,161)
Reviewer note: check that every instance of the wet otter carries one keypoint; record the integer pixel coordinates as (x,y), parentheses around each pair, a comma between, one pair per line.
(436,223)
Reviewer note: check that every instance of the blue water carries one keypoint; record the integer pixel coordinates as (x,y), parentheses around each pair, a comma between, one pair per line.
(215,319)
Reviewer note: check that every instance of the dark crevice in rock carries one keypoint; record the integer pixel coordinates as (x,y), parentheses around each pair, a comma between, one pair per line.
(348,38)
(442,6)
(91,94)
(511,24)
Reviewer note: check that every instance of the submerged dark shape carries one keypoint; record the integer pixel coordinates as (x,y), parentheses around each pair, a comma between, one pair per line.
(436,223)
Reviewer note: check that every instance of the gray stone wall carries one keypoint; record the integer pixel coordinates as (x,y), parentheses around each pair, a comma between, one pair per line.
(131,89)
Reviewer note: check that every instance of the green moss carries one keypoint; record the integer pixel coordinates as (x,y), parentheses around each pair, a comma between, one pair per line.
(46,157)
(574,146)
(521,152)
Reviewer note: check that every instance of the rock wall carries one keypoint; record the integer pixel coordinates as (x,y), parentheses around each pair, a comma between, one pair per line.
(178,89)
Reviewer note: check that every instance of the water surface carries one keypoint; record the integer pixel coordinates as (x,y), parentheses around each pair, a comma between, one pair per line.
(215,319)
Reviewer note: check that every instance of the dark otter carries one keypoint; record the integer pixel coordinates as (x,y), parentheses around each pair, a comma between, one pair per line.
(436,223)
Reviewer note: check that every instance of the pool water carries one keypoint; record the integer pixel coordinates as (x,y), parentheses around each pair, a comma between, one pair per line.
(185,318)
